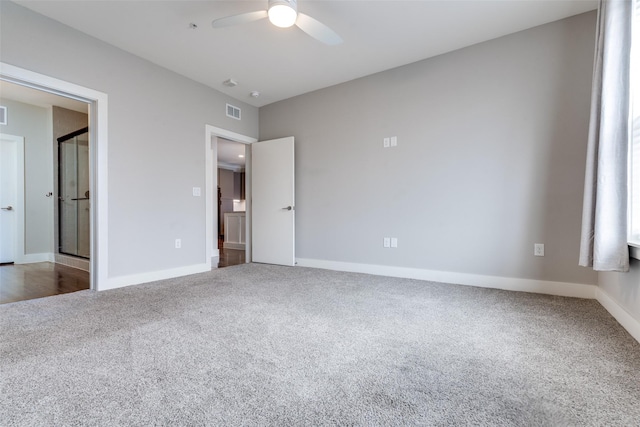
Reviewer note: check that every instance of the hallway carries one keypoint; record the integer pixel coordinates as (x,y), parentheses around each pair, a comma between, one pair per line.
(229,257)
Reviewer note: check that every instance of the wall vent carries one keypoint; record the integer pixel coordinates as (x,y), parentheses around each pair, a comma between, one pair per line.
(3,115)
(233,112)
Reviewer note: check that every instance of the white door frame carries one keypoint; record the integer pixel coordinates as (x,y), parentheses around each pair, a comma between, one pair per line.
(18,248)
(211,185)
(98,139)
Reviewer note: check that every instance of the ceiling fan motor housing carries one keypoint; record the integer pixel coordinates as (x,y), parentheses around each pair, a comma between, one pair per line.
(283,13)
(293,4)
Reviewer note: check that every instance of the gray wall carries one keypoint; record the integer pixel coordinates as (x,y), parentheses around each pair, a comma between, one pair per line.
(623,288)
(156,137)
(490,159)
(66,121)
(34,124)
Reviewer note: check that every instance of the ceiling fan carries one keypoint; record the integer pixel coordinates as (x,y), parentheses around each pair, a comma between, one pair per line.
(284,14)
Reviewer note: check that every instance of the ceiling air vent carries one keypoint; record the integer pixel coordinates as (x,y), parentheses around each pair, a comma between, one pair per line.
(233,112)
(3,115)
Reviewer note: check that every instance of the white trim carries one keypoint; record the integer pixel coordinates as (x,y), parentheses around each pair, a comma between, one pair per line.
(230,166)
(3,116)
(211,184)
(627,321)
(564,289)
(227,134)
(136,279)
(98,127)
(33,258)
(235,246)
(72,261)
(634,251)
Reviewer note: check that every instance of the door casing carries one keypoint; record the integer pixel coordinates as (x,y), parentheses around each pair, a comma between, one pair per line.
(98,150)
(212,134)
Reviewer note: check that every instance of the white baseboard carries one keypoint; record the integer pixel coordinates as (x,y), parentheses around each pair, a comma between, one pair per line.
(136,279)
(237,246)
(627,321)
(564,289)
(576,290)
(32,258)
(72,261)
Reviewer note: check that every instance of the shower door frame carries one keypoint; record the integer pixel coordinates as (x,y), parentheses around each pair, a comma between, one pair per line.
(61,140)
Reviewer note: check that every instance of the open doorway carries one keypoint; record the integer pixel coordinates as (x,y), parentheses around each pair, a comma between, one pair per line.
(212,136)
(232,220)
(272,173)
(37,266)
(98,150)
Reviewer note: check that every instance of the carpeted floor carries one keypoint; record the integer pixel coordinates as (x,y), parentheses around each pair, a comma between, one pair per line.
(266,345)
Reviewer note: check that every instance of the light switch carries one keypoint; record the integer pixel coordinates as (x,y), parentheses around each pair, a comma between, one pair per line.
(394,141)
(394,242)
(196,191)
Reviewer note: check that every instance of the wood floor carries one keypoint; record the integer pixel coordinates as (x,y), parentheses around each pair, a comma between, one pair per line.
(28,281)
(19,282)
(229,257)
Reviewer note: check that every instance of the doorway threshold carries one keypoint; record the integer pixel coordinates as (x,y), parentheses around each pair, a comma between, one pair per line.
(71,261)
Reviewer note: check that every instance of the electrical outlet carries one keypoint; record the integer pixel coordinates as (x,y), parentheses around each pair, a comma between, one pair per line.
(394,242)
(178,243)
(196,191)
(386,242)
(538,249)
(385,142)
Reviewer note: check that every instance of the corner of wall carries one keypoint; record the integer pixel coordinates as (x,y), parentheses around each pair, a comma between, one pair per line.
(629,322)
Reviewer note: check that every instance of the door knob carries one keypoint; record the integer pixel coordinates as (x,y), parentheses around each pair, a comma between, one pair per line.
(288,208)
(8,208)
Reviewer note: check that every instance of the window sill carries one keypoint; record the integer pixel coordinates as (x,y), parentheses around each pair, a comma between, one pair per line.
(634,250)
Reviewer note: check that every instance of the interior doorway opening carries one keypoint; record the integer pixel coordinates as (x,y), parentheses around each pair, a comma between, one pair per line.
(40,237)
(231,202)
(212,215)
(51,221)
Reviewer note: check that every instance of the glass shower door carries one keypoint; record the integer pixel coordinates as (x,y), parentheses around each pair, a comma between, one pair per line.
(73,194)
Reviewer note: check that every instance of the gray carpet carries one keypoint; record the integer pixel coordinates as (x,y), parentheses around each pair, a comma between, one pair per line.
(266,345)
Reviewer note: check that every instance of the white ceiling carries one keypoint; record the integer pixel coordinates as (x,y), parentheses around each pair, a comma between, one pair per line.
(39,98)
(229,153)
(281,63)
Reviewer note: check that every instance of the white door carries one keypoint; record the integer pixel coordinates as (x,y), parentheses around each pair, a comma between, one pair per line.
(273,204)
(8,198)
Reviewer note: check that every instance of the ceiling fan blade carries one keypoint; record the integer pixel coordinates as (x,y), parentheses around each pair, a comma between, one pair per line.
(243,18)
(317,30)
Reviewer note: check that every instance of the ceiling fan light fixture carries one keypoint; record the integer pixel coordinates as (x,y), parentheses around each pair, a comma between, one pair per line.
(283,13)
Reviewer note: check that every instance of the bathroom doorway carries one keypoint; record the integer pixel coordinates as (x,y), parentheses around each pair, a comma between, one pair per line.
(73,194)
(48,258)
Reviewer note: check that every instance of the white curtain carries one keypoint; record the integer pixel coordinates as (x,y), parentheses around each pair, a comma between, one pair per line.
(603,243)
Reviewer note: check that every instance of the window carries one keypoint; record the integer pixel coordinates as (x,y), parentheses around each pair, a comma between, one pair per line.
(634,199)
